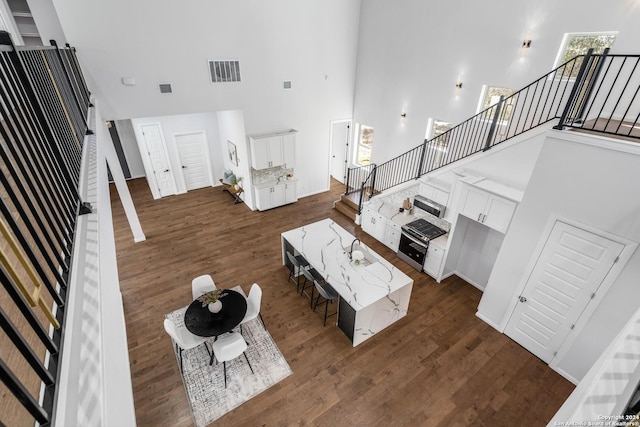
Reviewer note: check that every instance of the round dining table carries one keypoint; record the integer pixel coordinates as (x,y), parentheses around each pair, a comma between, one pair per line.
(200,321)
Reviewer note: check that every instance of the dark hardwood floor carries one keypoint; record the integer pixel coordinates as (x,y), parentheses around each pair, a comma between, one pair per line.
(438,366)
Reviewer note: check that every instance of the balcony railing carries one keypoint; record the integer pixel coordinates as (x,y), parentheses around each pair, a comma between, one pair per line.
(604,98)
(43,110)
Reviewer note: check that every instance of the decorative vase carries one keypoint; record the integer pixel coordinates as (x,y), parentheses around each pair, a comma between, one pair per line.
(215,307)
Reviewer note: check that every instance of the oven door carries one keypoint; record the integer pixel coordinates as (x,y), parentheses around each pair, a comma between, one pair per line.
(412,251)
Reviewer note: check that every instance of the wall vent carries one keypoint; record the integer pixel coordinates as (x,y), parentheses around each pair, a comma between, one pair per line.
(165,88)
(287,85)
(224,71)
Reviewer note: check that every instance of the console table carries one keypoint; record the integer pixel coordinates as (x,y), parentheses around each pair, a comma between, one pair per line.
(231,189)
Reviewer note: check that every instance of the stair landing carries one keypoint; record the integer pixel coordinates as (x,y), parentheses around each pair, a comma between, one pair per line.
(348,205)
(620,128)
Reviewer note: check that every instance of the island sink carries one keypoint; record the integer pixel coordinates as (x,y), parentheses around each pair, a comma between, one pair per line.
(368,258)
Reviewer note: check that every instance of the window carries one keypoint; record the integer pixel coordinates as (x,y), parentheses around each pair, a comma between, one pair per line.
(438,144)
(576,44)
(491,96)
(363,147)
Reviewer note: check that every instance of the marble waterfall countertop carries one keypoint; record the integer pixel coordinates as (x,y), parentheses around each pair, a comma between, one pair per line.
(323,246)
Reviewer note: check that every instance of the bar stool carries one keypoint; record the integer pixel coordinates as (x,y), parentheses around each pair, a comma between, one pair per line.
(329,294)
(298,263)
(311,276)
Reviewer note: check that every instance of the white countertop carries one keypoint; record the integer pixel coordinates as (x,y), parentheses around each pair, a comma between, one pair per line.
(391,212)
(322,245)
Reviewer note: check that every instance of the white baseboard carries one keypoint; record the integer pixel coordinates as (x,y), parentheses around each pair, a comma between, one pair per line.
(469,280)
(564,374)
(488,322)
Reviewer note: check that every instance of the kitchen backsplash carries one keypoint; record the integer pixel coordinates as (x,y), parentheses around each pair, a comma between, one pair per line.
(396,199)
(269,175)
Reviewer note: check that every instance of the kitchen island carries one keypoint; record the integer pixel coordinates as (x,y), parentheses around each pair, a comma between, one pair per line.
(373,294)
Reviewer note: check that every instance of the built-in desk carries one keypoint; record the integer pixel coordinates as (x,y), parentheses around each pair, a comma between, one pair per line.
(373,295)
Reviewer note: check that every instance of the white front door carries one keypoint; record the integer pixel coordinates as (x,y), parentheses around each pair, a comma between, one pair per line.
(158,159)
(194,159)
(570,268)
(339,146)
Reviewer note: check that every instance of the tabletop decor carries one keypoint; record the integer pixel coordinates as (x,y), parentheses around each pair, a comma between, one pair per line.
(357,257)
(211,300)
(204,384)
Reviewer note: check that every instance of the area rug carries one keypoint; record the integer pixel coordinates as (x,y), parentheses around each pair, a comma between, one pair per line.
(204,384)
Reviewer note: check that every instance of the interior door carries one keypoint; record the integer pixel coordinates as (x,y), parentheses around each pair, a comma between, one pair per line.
(570,268)
(339,146)
(193,158)
(158,159)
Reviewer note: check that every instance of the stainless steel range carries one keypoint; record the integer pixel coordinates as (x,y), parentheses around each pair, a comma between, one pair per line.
(414,241)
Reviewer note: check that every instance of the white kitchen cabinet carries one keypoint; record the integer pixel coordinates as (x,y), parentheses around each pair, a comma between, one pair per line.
(434,193)
(266,152)
(290,192)
(487,208)
(433,262)
(392,235)
(374,224)
(263,198)
(277,195)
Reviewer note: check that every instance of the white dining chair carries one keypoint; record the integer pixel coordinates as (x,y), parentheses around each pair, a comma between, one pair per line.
(184,340)
(201,285)
(254,300)
(229,347)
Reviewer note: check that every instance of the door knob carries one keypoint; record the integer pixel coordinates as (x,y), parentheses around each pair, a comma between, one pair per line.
(184,167)
(166,170)
(523,299)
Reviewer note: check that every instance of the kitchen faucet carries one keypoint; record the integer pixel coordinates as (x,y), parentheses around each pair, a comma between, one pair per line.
(351,251)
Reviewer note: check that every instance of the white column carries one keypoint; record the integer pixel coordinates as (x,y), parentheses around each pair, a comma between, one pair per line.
(104,138)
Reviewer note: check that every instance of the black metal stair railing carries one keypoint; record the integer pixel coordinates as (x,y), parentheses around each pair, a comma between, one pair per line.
(43,112)
(602,97)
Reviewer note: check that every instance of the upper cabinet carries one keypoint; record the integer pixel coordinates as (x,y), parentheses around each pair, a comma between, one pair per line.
(435,192)
(269,151)
(487,206)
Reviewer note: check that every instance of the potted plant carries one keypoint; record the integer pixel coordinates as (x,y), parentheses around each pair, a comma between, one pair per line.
(235,181)
(211,300)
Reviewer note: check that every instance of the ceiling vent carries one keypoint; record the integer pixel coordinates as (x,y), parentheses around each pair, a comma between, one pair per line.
(224,71)
(165,88)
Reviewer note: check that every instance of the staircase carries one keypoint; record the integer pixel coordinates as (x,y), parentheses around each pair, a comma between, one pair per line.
(594,93)
(348,205)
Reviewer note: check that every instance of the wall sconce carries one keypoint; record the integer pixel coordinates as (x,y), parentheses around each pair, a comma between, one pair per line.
(403,116)
(526,44)
(458,85)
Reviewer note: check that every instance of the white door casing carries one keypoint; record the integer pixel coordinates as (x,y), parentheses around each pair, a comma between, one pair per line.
(339,148)
(194,159)
(158,159)
(568,271)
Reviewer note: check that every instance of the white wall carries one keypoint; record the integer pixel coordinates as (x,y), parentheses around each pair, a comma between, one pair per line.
(594,185)
(130,147)
(411,53)
(231,128)
(310,43)
(48,28)
(187,123)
